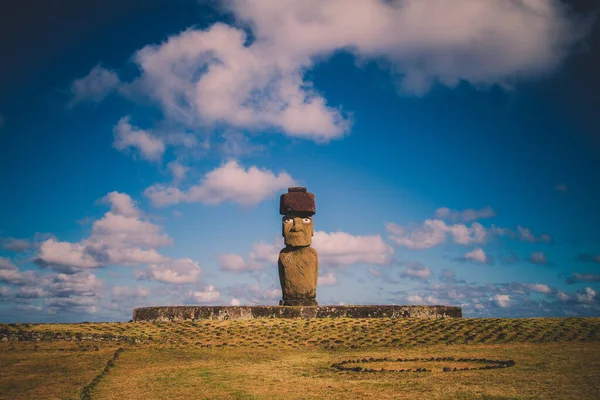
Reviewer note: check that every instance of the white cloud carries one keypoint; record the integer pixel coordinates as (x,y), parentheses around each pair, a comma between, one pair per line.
(150,147)
(95,86)
(448,276)
(525,234)
(229,182)
(264,252)
(259,294)
(178,170)
(426,41)
(587,296)
(65,256)
(223,76)
(416,270)
(434,232)
(341,249)
(416,299)
(121,204)
(79,284)
(502,300)
(235,145)
(577,277)
(79,305)
(478,256)
(336,249)
(538,257)
(562,296)
(466,215)
(235,302)
(540,288)
(10,273)
(126,292)
(327,280)
(6,264)
(18,245)
(209,295)
(78,292)
(182,270)
(235,263)
(522,234)
(121,237)
(212,77)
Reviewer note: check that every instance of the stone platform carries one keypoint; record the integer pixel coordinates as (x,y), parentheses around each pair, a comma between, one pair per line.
(182,313)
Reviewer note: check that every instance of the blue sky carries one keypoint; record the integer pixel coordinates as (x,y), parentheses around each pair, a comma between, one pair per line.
(453,151)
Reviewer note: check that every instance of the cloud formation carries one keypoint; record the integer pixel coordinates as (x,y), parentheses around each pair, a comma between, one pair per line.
(95,86)
(538,257)
(149,146)
(17,245)
(121,237)
(426,42)
(228,183)
(477,256)
(466,215)
(448,276)
(222,75)
(327,280)
(434,232)
(416,270)
(506,299)
(209,295)
(341,249)
(335,250)
(235,263)
(77,293)
(576,278)
(522,234)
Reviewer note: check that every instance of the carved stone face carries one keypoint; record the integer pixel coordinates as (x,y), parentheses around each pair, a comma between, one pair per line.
(297,230)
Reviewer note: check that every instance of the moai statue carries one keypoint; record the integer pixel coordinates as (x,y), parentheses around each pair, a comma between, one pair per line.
(298,262)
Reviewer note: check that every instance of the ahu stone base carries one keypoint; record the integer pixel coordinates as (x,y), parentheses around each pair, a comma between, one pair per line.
(183,313)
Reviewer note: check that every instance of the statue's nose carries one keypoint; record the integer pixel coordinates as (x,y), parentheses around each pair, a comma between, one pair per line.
(294,225)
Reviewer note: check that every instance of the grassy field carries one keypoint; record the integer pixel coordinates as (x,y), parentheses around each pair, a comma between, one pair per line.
(279,359)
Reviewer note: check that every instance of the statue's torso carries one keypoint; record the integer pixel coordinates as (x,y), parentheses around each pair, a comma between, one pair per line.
(298,272)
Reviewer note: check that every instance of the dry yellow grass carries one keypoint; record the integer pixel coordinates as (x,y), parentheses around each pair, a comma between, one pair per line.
(49,370)
(543,371)
(278,359)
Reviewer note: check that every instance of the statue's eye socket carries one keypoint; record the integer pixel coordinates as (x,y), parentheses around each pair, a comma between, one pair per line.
(306,220)
(288,221)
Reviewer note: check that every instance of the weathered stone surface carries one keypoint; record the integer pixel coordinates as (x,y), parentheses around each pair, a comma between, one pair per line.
(298,274)
(181,313)
(298,263)
(297,230)
(298,302)
(297,200)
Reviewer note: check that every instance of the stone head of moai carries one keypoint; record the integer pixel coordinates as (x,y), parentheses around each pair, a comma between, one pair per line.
(298,262)
(297,207)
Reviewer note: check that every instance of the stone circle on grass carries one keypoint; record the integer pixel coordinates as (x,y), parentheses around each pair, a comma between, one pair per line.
(350,365)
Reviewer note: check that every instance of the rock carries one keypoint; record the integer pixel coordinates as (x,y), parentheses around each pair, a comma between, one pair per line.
(298,274)
(297,200)
(298,263)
